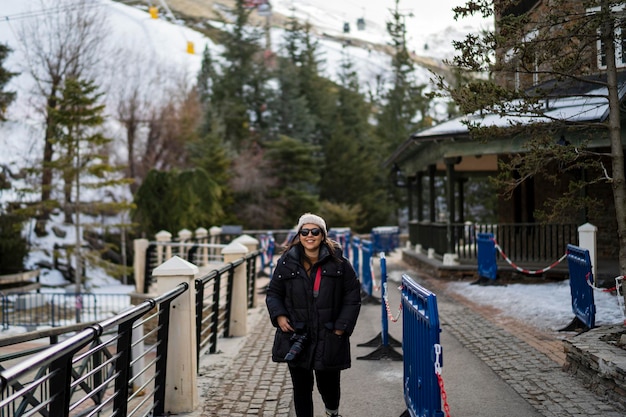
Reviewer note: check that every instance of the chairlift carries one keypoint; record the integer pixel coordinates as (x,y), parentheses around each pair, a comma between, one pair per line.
(264,9)
(360,23)
(346,27)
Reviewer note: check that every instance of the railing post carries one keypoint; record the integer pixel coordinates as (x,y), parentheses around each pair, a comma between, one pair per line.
(181,392)
(239,306)
(162,238)
(202,236)
(215,233)
(248,241)
(140,262)
(183,236)
(587,240)
(252,245)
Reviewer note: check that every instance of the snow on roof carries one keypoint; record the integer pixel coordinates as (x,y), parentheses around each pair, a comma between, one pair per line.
(592,106)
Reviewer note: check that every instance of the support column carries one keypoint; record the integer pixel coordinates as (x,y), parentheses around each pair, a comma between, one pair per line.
(587,240)
(163,238)
(461,186)
(202,236)
(431,192)
(140,247)
(419,177)
(239,305)
(252,245)
(181,388)
(215,233)
(409,195)
(183,236)
(450,201)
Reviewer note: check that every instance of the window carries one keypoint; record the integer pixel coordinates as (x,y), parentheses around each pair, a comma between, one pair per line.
(620,40)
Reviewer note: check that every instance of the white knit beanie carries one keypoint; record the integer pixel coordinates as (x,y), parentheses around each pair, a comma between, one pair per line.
(313,219)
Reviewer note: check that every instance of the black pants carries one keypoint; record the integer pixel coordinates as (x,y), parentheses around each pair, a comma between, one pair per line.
(327,384)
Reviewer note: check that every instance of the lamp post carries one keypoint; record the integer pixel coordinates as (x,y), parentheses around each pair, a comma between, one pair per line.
(78,272)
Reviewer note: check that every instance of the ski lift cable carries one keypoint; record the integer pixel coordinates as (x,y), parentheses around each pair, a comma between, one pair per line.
(171,16)
(47,12)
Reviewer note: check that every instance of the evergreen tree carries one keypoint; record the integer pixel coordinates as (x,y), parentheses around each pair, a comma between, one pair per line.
(314,91)
(6,97)
(187,199)
(351,174)
(83,163)
(13,246)
(205,78)
(239,90)
(210,155)
(404,104)
(82,154)
(294,166)
(289,110)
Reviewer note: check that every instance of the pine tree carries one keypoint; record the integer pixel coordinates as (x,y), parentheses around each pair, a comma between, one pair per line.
(404,107)
(289,110)
(293,165)
(187,199)
(352,175)
(405,100)
(309,89)
(83,160)
(239,89)
(206,77)
(6,97)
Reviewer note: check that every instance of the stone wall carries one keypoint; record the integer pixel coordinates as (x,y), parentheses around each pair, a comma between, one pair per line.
(599,361)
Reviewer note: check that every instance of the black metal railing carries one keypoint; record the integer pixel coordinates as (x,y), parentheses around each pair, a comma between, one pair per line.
(251,274)
(521,242)
(35,309)
(214,299)
(91,373)
(199,254)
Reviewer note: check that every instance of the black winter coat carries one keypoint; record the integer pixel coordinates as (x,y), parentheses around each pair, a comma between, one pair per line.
(290,293)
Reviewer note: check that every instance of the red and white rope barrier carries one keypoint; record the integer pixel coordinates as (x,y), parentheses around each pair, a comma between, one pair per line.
(388,308)
(524,270)
(444,396)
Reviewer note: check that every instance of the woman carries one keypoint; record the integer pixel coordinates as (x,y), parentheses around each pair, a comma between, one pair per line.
(314,300)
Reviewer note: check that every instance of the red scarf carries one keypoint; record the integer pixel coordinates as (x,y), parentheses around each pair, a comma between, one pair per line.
(316,284)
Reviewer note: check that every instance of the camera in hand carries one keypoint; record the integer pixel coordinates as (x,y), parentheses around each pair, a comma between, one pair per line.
(297,343)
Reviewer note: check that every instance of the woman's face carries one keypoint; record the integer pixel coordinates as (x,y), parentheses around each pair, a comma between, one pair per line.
(310,241)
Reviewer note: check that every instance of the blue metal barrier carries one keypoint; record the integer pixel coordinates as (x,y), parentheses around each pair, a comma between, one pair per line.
(356,253)
(580,276)
(341,235)
(268,245)
(383,342)
(385,238)
(422,351)
(367,283)
(487,267)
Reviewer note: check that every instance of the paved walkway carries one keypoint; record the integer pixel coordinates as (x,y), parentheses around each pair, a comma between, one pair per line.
(491,367)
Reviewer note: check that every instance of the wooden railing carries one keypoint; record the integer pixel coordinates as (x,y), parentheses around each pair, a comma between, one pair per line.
(522,242)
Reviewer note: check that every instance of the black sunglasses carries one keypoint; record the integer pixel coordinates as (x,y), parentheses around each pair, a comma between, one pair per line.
(314,232)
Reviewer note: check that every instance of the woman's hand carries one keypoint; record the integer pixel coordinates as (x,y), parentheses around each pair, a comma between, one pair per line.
(283,323)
